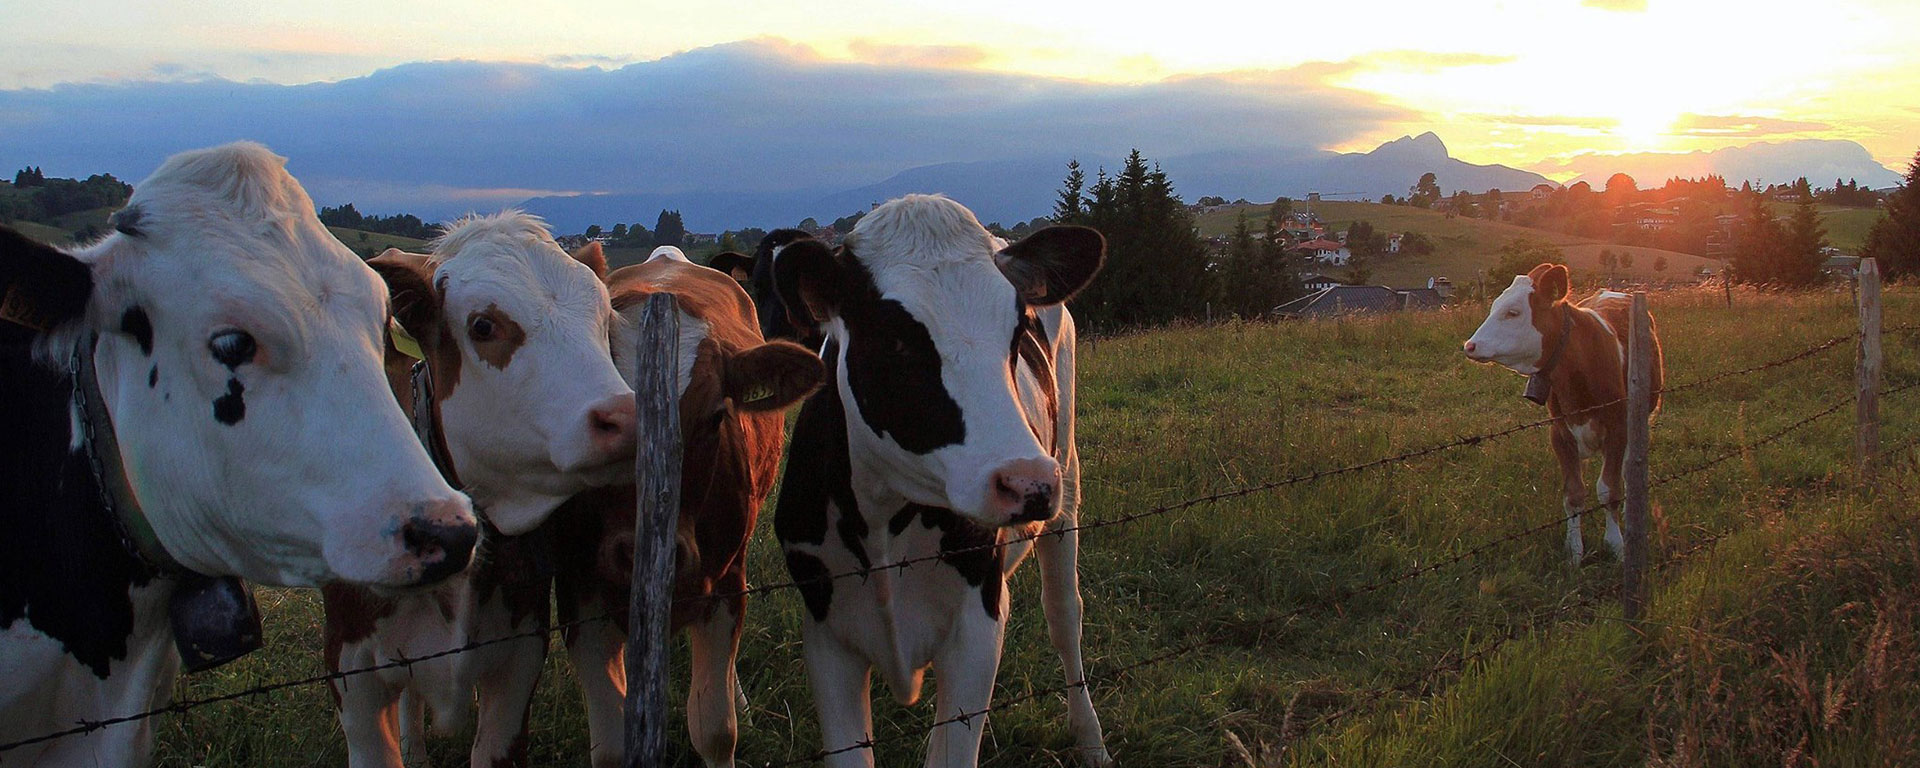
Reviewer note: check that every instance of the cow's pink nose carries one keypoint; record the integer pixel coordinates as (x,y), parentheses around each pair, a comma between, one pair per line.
(1469,346)
(610,425)
(1024,490)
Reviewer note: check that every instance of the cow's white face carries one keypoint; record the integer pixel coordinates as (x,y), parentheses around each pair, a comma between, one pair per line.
(1507,336)
(239,356)
(922,317)
(1514,333)
(532,409)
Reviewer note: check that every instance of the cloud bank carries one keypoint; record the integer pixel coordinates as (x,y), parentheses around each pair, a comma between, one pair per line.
(758,118)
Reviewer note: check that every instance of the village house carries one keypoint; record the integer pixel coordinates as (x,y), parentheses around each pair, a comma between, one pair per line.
(1324,251)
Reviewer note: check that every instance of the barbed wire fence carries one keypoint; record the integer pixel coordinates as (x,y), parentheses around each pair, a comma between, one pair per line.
(1332,597)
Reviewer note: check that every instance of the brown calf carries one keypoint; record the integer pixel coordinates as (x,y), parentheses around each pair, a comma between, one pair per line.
(1575,357)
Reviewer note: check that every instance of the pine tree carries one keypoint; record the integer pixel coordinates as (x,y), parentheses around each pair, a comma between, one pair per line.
(1156,266)
(667,229)
(1757,240)
(1895,240)
(1799,256)
(1071,207)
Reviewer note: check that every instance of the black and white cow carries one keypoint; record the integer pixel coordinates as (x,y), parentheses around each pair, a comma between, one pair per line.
(219,354)
(945,424)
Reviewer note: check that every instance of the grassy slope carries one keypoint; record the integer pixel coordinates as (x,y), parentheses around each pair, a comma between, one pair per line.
(1847,227)
(369,244)
(1170,414)
(1463,248)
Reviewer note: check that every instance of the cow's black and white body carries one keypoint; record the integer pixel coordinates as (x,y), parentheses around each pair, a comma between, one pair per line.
(945,425)
(234,350)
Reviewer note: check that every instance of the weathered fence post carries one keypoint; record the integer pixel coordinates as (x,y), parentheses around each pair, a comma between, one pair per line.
(1633,587)
(657,465)
(1867,372)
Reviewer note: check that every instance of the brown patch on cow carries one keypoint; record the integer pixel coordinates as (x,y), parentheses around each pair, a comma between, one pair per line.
(353,614)
(517,570)
(495,336)
(771,376)
(594,257)
(414,299)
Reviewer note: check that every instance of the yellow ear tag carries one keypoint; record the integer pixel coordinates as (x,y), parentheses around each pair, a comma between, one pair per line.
(758,394)
(404,341)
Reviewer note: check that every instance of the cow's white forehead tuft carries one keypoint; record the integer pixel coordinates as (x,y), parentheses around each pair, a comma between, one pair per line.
(923,230)
(511,226)
(668,252)
(245,179)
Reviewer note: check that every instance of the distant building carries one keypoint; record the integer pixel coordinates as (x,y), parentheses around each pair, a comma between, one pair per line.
(1442,286)
(1312,282)
(1360,299)
(1324,251)
(1541,191)
(1393,242)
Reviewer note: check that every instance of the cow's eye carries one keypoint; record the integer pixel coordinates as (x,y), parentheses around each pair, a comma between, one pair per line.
(232,348)
(1513,313)
(480,328)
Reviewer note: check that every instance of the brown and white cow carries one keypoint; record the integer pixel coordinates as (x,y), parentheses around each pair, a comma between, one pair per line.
(529,411)
(946,426)
(1574,356)
(733,389)
(198,392)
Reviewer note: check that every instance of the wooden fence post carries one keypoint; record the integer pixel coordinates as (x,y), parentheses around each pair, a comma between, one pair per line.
(1633,587)
(1867,372)
(657,465)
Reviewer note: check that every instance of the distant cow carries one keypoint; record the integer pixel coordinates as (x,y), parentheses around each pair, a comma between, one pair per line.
(526,410)
(946,424)
(196,394)
(1575,358)
(733,389)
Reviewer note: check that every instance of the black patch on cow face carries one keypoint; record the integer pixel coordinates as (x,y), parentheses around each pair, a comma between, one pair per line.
(893,368)
(134,322)
(771,309)
(816,582)
(970,548)
(818,469)
(153,376)
(63,570)
(231,407)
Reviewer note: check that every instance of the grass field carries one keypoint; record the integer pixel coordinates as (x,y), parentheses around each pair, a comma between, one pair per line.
(370,244)
(1846,227)
(1463,248)
(1797,631)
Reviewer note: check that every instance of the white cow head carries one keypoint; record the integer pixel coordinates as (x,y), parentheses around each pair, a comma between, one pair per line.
(922,317)
(1522,316)
(516,335)
(239,357)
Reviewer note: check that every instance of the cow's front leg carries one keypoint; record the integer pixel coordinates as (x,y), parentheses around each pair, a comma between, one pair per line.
(1059,556)
(369,716)
(840,697)
(964,670)
(714,640)
(1609,489)
(1566,451)
(598,650)
(506,697)
(413,729)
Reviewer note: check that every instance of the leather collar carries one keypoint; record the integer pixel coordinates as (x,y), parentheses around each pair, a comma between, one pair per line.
(213,619)
(1539,386)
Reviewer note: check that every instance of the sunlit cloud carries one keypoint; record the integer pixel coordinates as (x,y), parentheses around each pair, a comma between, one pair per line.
(1743,126)
(943,56)
(1622,6)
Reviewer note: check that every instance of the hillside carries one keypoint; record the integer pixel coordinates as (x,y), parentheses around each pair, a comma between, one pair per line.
(1463,248)
(370,244)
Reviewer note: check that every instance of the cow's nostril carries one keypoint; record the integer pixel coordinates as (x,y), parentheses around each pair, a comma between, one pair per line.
(1006,492)
(441,549)
(1469,347)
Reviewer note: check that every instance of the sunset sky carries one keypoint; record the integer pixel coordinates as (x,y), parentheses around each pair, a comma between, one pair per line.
(1519,82)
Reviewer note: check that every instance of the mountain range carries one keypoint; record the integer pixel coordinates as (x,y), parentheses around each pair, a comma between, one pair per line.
(1009,191)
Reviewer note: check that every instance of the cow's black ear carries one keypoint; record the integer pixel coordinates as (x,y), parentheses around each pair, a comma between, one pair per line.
(772,376)
(40,285)
(737,265)
(1051,265)
(809,278)
(410,293)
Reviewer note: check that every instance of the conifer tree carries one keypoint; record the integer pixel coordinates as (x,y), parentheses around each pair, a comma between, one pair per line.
(1895,240)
